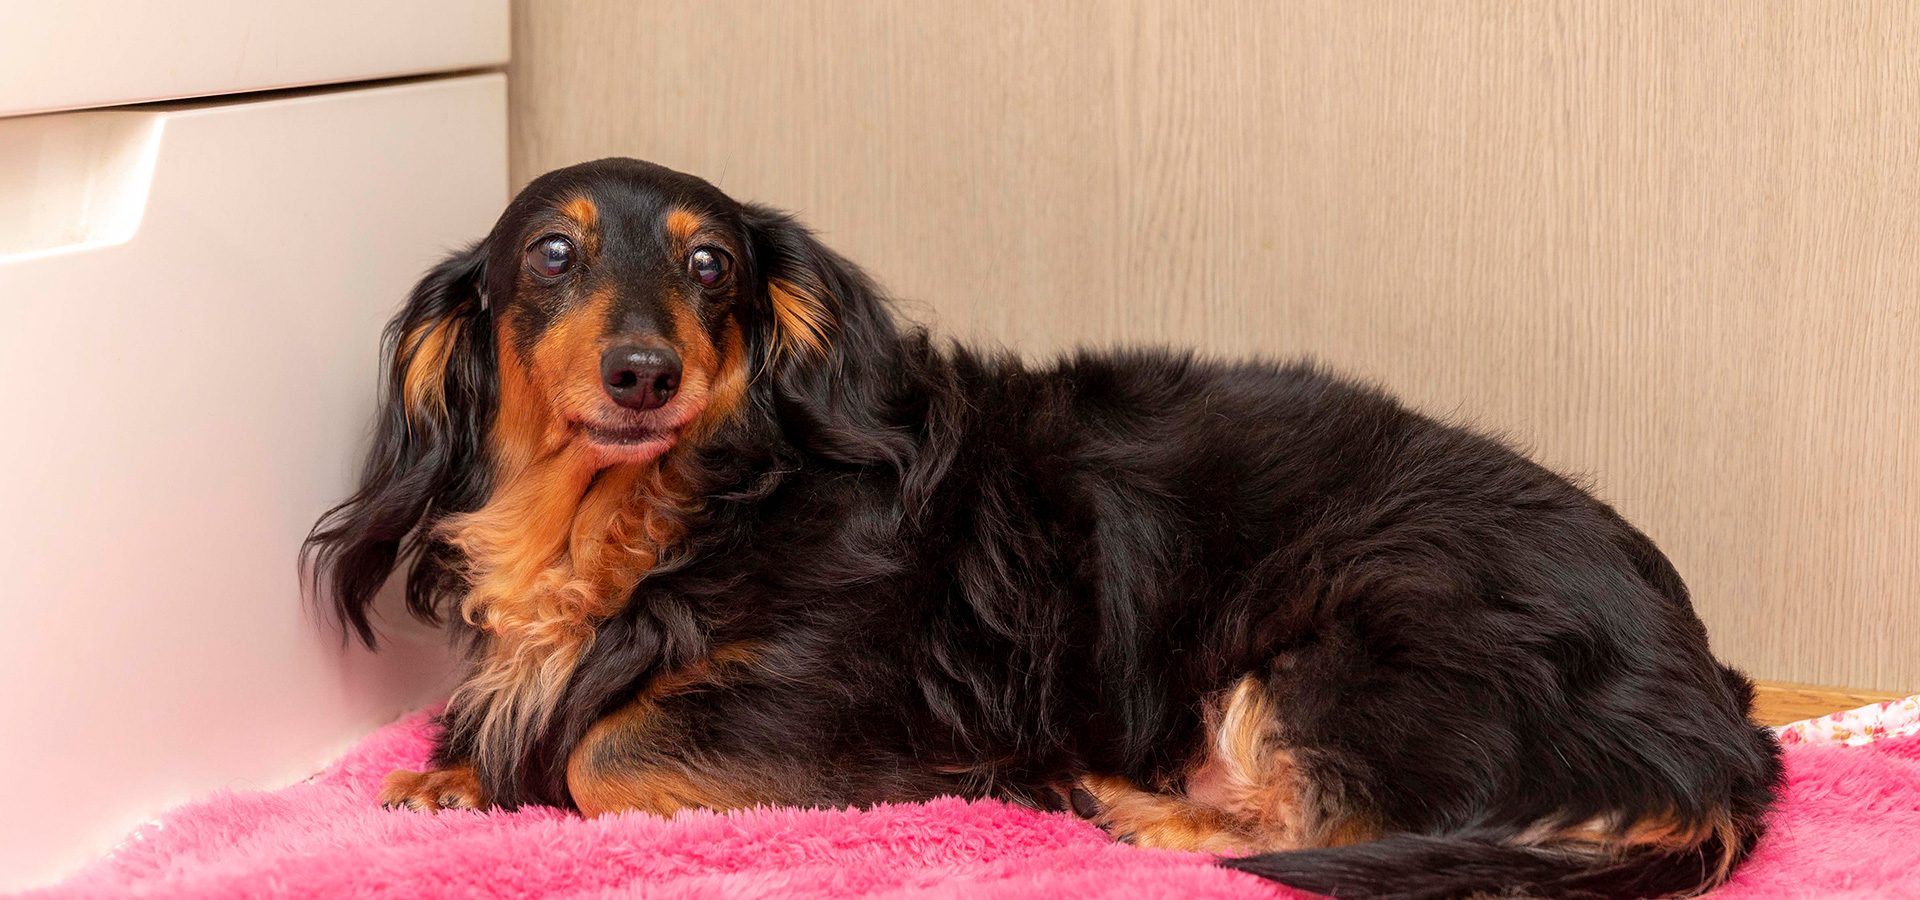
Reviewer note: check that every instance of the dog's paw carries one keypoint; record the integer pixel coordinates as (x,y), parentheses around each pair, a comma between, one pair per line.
(454,788)
(1157,821)
(1094,798)
(1087,798)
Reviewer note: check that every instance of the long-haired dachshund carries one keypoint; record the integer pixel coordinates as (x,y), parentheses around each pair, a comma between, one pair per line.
(726,534)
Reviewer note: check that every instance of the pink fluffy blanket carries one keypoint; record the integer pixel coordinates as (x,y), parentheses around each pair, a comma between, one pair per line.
(1849,827)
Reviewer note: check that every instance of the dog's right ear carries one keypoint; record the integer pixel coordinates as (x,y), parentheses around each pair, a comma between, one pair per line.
(428,456)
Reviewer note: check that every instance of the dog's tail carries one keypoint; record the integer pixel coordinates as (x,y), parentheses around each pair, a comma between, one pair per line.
(1421,867)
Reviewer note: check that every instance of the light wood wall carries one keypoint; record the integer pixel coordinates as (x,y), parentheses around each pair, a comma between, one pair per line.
(1671,246)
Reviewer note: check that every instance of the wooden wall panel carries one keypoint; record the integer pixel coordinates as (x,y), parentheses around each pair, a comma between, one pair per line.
(1671,246)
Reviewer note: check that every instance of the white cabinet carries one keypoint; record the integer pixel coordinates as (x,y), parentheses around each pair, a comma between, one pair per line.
(68,54)
(191,296)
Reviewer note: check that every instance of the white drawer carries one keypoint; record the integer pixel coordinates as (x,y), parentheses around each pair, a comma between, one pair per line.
(188,326)
(68,54)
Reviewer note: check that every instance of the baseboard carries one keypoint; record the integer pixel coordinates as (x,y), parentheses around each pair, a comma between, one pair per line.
(1780,702)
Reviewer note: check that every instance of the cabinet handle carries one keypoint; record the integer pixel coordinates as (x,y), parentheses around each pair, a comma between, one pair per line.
(70,181)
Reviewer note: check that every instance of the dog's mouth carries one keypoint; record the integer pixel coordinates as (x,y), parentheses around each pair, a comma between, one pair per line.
(619,444)
(630,442)
(625,436)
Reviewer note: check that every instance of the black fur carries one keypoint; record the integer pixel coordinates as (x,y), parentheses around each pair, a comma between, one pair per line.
(982,576)
(1424,867)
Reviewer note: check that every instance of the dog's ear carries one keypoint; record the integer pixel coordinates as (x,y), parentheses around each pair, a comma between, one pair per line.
(817,307)
(427,458)
(826,344)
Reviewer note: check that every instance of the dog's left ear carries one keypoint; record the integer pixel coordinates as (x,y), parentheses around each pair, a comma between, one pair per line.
(799,310)
(826,335)
(817,306)
(428,455)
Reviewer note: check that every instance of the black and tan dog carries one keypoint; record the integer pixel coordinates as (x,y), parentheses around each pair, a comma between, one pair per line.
(727,535)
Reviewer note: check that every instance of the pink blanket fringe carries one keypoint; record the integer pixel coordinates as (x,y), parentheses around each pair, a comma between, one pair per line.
(1849,828)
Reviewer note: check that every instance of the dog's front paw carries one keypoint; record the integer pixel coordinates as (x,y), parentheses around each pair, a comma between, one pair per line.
(452,788)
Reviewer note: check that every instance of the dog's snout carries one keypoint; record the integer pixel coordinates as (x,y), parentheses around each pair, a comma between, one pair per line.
(639,377)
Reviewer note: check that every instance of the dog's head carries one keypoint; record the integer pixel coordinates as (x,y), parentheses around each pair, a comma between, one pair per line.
(617,311)
(618,297)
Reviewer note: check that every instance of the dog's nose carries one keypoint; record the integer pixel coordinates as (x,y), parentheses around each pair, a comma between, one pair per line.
(640,377)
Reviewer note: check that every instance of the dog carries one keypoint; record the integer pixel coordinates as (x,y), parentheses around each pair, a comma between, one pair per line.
(724,533)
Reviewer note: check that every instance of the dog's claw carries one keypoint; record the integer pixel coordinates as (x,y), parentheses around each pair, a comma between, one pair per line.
(1083,802)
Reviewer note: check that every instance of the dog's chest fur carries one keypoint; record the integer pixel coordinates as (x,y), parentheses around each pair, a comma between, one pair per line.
(557,549)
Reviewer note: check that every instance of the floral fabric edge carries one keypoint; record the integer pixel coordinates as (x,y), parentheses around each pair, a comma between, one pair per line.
(1873,722)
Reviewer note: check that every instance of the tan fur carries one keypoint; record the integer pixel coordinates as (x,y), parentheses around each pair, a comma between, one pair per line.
(801,318)
(1250,775)
(427,349)
(551,558)
(581,209)
(1244,794)
(660,791)
(721,393)
(682,225)
(598,788)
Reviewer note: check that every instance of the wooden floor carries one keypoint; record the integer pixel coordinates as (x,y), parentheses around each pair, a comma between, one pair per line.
(1780,702)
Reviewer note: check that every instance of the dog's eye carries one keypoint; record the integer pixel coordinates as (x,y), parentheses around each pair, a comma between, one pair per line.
(550,256)
(708,265)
